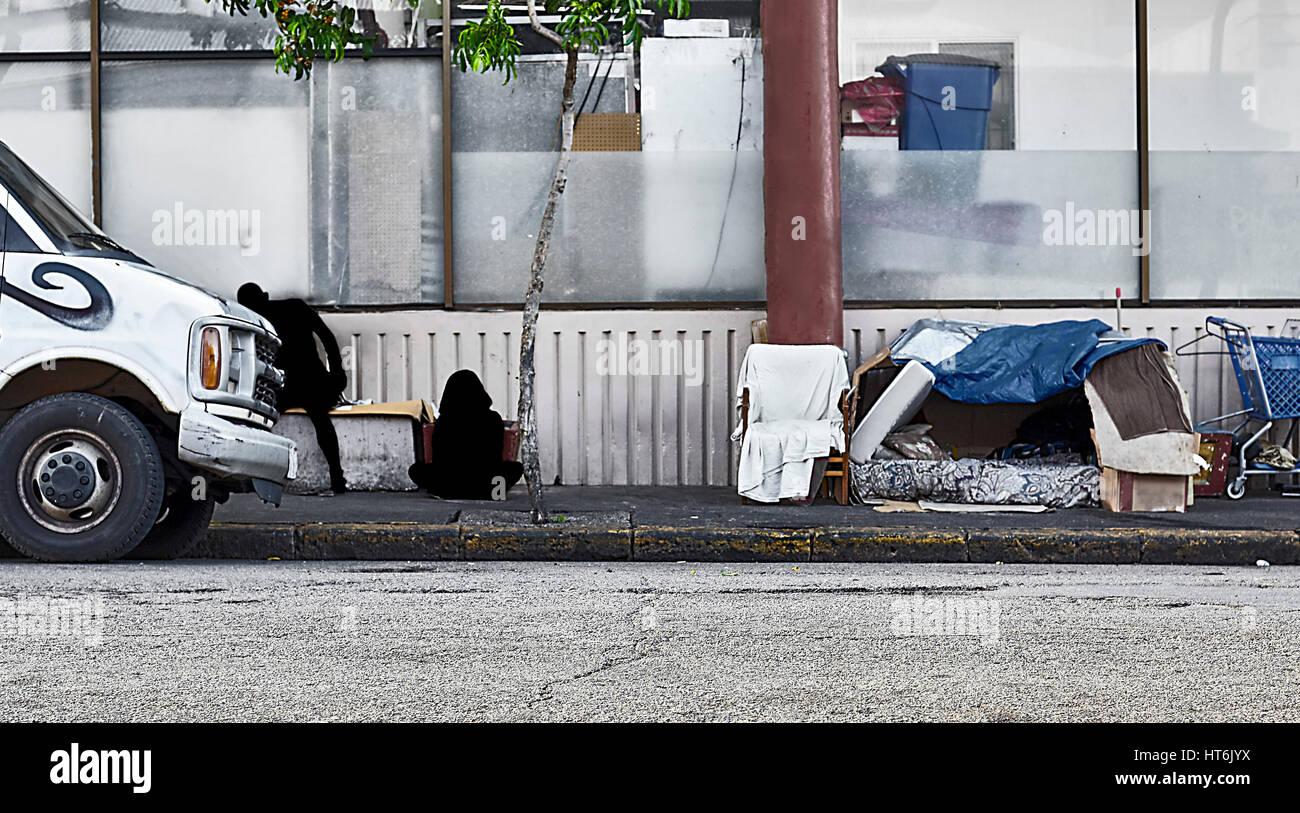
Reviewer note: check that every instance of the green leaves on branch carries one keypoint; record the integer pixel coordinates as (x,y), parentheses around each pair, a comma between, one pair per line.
(307,29)
(491,44)
(587,23)
(627,13)
(488,45)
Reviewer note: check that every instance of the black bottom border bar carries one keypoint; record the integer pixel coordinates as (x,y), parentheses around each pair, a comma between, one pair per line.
(329,762)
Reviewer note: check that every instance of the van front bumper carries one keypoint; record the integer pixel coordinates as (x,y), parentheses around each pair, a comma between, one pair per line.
(235,450)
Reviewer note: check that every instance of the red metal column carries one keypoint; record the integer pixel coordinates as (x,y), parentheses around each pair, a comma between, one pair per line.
(801,182)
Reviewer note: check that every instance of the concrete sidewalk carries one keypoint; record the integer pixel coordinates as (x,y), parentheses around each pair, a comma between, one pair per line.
(710,524)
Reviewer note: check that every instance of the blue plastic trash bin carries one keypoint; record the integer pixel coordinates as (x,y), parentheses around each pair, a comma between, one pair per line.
(947,102)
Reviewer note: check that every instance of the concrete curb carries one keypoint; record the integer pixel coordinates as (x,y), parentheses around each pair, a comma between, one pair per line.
(890,545)
(714,544)
(1075,547)
(598,543)
(531,543)
(395,540)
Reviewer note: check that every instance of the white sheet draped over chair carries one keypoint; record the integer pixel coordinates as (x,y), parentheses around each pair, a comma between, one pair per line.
(794,417)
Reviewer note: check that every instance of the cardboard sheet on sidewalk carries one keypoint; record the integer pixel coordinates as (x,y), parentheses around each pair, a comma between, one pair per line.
(973,508)
(898,507)
(924,506)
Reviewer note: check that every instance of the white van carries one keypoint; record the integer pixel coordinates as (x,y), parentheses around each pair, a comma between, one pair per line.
(130,401)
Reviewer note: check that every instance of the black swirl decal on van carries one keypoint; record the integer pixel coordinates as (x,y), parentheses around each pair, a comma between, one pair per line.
(94,316)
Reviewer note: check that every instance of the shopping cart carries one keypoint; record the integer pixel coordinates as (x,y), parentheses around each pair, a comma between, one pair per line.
(1268,374)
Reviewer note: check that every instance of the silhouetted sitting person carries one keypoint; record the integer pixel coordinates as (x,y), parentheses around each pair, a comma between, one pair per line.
(307,383)
(468,437)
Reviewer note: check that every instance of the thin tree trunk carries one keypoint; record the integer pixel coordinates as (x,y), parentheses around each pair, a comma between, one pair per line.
(533,301)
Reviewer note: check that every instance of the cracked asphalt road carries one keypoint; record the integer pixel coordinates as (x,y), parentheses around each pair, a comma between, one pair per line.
(292,641)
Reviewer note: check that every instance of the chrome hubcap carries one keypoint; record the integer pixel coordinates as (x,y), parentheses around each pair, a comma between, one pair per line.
(69,480)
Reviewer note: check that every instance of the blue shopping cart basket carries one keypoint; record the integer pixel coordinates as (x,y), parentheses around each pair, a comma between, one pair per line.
(1268,374)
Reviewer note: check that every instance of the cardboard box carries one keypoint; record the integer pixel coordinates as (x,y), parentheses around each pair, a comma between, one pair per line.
(1127,492)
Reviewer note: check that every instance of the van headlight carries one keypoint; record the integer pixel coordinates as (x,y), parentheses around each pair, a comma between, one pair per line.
(231,369)
(210,359)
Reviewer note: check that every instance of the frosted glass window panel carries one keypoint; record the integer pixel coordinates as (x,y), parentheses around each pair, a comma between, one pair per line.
(32,26)
(45,119)
(1226,225)
(680,222)
(994,225)
(524,115)
(1225,140)
(1075,63)
(206,171)
(632,227)
(377,182)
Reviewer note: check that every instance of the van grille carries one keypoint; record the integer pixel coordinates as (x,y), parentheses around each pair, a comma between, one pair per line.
(265,388)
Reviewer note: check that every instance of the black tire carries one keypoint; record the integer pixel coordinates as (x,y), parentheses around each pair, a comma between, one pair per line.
(64,442)
(178,530)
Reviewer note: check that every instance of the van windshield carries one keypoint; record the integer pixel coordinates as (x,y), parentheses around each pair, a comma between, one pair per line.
(71,232)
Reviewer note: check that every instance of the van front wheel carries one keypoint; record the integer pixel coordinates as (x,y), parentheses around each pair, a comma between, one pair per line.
(81,479)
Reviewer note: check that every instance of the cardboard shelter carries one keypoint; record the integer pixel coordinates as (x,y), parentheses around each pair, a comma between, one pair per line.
(976,384)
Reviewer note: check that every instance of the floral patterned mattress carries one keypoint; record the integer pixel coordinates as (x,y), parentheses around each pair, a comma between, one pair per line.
(981,482)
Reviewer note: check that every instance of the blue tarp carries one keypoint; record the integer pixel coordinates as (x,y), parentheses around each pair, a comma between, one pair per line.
(1026,364)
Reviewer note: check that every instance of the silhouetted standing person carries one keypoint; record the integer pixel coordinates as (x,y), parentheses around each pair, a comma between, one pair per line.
(468,437)
(307,382)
